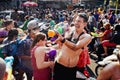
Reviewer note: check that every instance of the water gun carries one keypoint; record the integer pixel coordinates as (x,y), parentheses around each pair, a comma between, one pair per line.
(51,54)
(94,34)
(9,61)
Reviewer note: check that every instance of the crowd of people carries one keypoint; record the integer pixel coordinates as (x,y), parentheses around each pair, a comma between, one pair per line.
(30,42)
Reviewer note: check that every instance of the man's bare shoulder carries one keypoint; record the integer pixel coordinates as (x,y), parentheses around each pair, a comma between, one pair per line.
(86,35)
(112,67)
(115,65)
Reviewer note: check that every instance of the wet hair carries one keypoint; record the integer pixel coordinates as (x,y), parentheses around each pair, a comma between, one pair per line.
(39,36)
(84,16)
(12,33)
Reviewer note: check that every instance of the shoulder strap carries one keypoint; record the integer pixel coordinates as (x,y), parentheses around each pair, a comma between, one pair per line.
(71,35)
(80,35)
(69,39)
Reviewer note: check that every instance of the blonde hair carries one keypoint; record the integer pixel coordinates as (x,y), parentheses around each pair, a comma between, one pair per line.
(107,26)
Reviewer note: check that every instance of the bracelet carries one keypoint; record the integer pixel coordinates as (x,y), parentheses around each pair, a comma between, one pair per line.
(63,40)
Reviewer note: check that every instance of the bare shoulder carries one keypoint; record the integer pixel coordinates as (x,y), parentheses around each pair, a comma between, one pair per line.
(115,65)
(110,70)
(40,49)
(86,36)
(112,66)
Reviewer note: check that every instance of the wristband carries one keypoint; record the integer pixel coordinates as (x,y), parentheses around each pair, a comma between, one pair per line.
(63,40)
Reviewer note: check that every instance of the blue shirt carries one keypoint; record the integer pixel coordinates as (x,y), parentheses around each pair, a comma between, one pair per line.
(24,50)
(11,49)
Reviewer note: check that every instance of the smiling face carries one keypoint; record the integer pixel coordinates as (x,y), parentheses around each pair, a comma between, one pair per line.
(80,23)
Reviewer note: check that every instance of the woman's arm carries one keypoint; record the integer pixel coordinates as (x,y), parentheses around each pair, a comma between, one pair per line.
(40,58)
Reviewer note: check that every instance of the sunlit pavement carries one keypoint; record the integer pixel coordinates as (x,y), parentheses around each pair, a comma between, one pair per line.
(93,63)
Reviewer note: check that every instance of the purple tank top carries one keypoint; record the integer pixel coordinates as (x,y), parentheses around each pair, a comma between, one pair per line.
(40,74)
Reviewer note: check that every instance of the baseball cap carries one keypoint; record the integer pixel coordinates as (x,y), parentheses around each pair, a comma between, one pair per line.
(33,24)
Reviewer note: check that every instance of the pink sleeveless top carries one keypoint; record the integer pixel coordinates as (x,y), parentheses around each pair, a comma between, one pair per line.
(40,74)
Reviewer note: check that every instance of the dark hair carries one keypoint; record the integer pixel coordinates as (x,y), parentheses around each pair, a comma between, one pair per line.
(16,25)
(50,17)
(117,27)
(12,33)
(38,37)
(102,29)
(7,22)
(118,19)
(15,9)
(106,16)
(1,17)
(84,16)
(26,17)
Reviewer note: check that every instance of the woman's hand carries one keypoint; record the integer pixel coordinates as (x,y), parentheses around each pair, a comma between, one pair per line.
(51,64)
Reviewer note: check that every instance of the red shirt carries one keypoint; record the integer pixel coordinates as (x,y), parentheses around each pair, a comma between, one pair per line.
(84,58)
(107,34)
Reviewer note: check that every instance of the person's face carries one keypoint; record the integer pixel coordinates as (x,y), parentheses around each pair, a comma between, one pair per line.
(79,23)
(45,41)
(32,34)
(11,25)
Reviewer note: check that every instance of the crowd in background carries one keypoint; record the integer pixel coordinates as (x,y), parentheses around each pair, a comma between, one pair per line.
(21,32)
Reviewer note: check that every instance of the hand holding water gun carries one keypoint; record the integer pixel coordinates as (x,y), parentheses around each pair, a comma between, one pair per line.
(54,33)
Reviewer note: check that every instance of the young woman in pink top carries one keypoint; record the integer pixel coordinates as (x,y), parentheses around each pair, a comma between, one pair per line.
(40,63)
